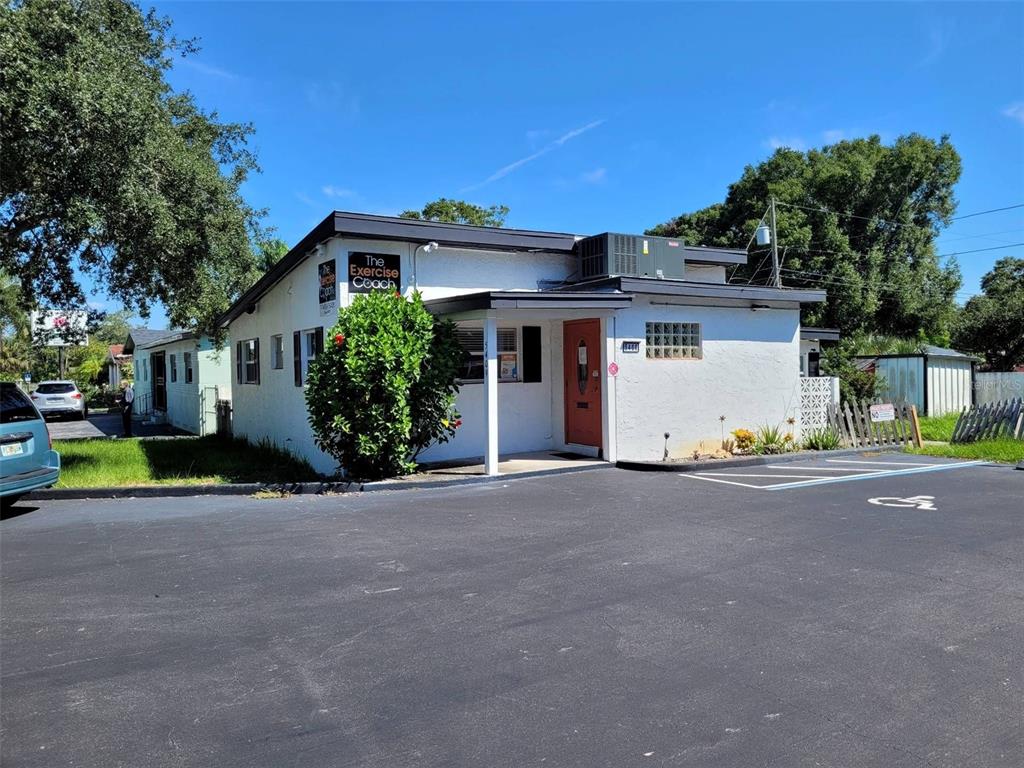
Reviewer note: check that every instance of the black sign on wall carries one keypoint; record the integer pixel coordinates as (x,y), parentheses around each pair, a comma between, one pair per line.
(327,274)
(374,272)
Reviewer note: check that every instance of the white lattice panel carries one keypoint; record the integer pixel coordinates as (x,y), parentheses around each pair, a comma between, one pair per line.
(817,393)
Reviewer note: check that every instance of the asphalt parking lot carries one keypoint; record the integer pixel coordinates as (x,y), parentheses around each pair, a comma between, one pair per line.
(605,618)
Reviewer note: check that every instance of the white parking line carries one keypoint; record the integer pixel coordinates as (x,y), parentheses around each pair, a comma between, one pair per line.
(853,474)
(884,463)
(823,469)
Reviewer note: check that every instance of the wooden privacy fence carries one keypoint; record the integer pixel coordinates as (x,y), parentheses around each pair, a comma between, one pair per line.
(875,425)
(985,422)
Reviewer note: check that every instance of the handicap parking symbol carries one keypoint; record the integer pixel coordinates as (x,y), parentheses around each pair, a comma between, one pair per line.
(910,502)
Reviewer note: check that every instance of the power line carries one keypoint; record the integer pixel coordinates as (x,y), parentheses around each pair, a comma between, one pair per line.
(799,275)
(822,209)
(798,249)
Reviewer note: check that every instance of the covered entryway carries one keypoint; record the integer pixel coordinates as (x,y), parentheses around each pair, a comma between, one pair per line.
(582,351)
(572,406)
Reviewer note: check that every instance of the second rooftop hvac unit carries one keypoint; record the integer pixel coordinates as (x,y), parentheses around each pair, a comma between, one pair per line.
(613,254)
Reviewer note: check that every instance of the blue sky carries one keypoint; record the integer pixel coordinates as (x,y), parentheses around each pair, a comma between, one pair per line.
(593,117)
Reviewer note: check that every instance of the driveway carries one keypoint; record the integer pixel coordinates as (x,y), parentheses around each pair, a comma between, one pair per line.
(102,425)
(604,618)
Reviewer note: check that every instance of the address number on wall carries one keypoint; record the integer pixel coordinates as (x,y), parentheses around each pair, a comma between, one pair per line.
(631,346)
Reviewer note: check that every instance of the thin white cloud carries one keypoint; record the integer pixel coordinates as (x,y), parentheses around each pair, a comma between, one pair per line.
(333,96)
(1015,111)
(793,142)
(596,176)
(940,35)
(209,69)
(332,191)
(505,170)
(302,197)
(833,135)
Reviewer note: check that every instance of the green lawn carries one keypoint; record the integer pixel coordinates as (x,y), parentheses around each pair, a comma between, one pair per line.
(1003,449)
(938,427)
(190,460)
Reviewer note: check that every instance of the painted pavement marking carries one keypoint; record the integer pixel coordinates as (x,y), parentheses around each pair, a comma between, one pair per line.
(851,475)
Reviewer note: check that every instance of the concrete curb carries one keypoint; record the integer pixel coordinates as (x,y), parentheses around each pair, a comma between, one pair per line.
(743,461)
(291,489)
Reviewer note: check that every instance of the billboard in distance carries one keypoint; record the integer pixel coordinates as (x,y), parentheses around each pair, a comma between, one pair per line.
(60,328)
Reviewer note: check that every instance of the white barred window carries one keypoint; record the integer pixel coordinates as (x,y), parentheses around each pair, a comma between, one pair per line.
(674,341)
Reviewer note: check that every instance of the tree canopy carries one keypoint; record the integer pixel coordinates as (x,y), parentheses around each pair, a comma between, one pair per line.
(460,212)
(110,173)
(992,324)
(858,218)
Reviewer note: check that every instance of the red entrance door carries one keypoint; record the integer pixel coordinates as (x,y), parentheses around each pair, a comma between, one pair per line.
(582,350)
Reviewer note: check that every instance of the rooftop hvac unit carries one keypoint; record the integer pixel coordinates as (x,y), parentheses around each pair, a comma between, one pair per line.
(611,254)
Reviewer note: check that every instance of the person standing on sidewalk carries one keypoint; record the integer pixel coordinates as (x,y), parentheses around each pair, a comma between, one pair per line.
(127,398)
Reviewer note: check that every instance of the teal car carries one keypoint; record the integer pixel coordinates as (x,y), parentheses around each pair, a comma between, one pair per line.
(27,458)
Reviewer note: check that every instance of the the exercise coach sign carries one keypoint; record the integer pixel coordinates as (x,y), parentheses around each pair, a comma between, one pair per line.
(374,272)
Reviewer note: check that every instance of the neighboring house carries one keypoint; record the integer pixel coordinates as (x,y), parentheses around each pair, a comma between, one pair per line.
(115,362)
(178,378)
(571,343)
(812,342)
(937,380)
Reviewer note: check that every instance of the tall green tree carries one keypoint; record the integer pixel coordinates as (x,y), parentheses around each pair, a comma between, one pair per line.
(270,252)
(992,324)
(858,218)
(108,172)
(460,212)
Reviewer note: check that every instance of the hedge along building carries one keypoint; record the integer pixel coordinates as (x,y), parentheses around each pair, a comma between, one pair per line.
(617,346)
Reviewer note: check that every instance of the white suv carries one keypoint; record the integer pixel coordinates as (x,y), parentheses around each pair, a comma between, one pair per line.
(60,398)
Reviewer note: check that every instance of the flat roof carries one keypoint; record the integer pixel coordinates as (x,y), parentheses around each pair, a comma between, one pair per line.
(708,292)
(819,334)
(394,228)
(529,300)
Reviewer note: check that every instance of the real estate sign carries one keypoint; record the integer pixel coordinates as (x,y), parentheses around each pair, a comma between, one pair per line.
(374,272)
(882,412)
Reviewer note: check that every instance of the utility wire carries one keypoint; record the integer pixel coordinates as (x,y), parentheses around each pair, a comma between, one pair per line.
(799,275)
(894,223)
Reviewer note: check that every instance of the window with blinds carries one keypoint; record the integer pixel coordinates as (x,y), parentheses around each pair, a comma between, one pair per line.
(472,342)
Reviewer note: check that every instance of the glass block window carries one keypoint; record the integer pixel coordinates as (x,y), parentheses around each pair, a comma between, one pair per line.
(674,341)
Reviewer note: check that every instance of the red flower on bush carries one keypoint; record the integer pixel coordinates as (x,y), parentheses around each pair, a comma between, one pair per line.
(339,339)
(398,295)
(458,423)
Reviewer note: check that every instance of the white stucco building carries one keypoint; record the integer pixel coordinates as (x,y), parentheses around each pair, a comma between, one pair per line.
(178,378)
(598,345)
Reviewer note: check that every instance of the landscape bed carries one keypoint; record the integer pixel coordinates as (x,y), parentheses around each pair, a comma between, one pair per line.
(210,460)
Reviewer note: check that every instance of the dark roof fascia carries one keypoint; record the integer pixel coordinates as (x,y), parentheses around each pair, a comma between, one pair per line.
(819,334)
(452,235)
(141,337)
(705,291)
(718,257)
(527,300)
(925,355)
(170,338)
(391,228)
(319,233)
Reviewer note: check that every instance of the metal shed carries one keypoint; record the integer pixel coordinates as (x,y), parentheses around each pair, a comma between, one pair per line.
(938,380)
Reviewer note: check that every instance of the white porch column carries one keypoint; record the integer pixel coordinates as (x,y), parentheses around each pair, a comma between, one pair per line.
(609,417)
(491,392)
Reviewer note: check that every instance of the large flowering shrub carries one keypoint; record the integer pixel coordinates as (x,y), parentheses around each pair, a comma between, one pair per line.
(384,386)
